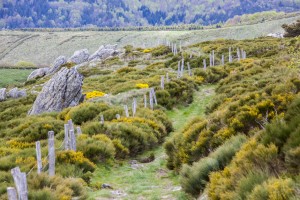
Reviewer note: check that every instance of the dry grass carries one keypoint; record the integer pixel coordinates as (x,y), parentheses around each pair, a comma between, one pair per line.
(42,48)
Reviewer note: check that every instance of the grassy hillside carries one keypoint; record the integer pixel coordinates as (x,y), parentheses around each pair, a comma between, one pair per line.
(124,13)
(13,76)
(228,132)
(46,46)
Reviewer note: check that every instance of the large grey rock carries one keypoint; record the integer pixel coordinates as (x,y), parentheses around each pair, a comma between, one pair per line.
(104,52)
(38,73)
(16,93)
(61,91)
(57,64)
(2,94)
(79,56)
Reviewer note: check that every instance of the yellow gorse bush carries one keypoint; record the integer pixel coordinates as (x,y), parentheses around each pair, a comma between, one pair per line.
(19,145)
(29,160)
(142,85)
(4,151)
(93,94)
(73,157)
(138,120)
(147,51)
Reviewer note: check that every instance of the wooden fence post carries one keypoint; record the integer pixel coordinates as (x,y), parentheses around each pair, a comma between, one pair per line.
(38,157)
(51,153)
(79,132)
(71,126)
(154,95)
(151,100)
(213,57)
(20,183)
(167,78)
(126,110)
(223,60)
(73,140)
(67,139)
(238,53)
(178,71)
(189,69)
(244,55)
(162,82)
(145,100)
(182,67)
(101,119)
(134,106)
(12,193)
(24,194)
(230,56)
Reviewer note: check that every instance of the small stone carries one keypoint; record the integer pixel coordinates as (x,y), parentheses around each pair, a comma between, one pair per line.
(104,52)
(106,186)
(2,94)
(16,93)
(79,56)
(38,73)
(55,66)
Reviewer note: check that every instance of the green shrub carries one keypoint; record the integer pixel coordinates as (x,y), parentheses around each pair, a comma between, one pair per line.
(75,158)
(121,151)
(275,189)
(249,182)
(160,50)
(136,139)
(126,70)
(36,128)
(86,112)
(93,128)
(25,64)
(55,187)
(133,63)
(98,149)
(111,113)
(194,178)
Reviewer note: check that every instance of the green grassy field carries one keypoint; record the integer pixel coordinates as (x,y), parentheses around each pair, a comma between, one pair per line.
(41,48)
(153,180)
(13,76)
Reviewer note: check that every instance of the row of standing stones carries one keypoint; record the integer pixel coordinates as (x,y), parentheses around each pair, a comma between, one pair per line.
(64,89)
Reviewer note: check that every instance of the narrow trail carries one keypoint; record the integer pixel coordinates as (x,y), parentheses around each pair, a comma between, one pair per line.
(151,180)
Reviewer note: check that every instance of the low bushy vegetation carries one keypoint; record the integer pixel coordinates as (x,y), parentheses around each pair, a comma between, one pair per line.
(257,97)
(246,147)
(195,177)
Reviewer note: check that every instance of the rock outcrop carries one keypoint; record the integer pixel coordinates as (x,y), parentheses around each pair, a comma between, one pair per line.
(275,35)
(57,64)
(104,52)
(61,91)
(79,56)
(2,94)
(38,73)
(16,93)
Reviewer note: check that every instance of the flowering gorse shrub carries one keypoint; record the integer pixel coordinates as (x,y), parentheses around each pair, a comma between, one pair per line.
(142,85)
(94,94)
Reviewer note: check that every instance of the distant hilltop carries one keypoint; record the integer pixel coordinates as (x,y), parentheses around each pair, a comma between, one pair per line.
(123,13)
